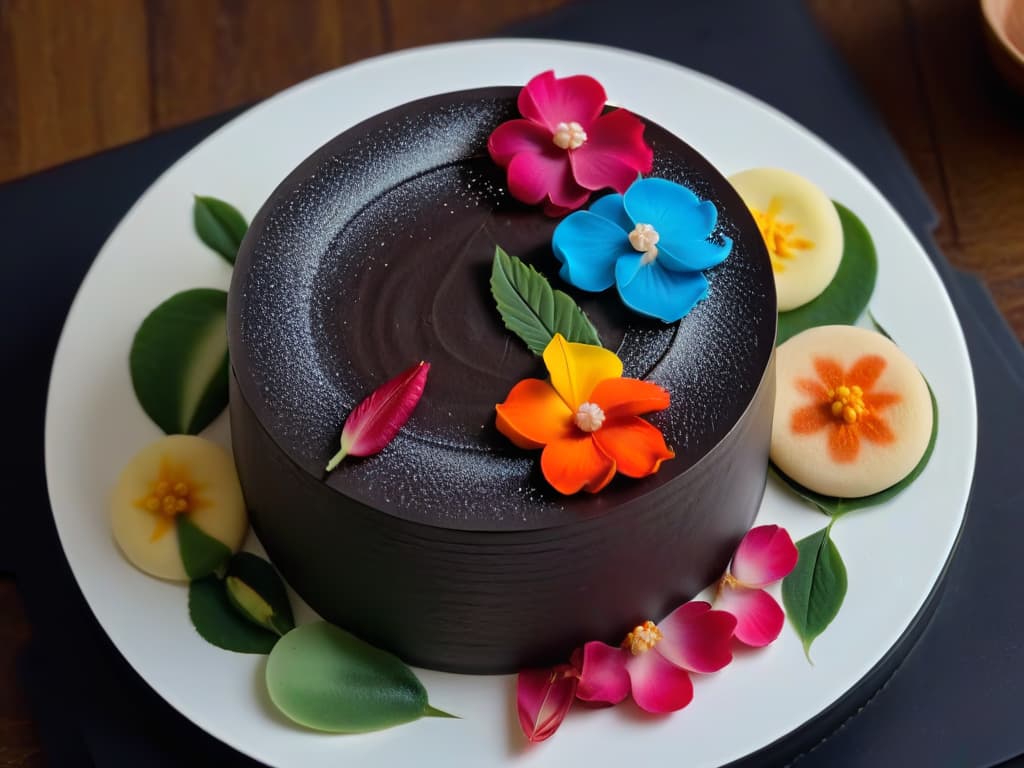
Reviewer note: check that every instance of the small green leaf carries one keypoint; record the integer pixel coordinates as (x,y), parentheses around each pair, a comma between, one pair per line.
(324,678)
(179,361)
(201,554)
(258,593)
(842,302)
(814,591)
(217,621)
(532,309)
(219,225)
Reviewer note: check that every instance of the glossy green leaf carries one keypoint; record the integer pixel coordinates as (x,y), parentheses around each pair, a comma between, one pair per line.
(219,225)
(201,554)
(842,302)
(258,593)
(217,621)
(532,309)
(324,678)
(814,591)
(179,361)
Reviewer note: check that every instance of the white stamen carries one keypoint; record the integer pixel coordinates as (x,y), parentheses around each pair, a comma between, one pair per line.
(589,417)
(644,239)
(569,135)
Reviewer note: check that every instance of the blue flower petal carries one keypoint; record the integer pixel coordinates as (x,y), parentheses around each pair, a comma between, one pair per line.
(694,255)
(675,212)
(588,246)
(652,290)
(611,207)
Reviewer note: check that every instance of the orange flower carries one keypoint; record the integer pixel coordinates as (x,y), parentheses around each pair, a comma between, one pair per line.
(846,403)
(587,419)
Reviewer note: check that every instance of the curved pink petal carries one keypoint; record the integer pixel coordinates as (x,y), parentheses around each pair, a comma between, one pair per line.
(603,674)
(547,175)
(765,555)
(549,100)
(614,153)
(759,618)
(697,638)
(543,697)
(658,684)
(515,136)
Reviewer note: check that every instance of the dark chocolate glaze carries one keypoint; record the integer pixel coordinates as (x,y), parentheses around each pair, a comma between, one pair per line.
(448,548)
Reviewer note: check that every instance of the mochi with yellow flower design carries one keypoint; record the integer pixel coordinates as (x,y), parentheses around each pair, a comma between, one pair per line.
(800,226)
(179,476)
(853,415)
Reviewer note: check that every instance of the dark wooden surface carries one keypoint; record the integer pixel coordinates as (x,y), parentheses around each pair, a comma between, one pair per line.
(78,77)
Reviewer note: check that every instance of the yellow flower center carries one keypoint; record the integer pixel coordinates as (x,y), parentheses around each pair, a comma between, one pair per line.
(644,238)
(172,493)
(569,135)
(778,235)
(847,403)
(643,637)
(589,417)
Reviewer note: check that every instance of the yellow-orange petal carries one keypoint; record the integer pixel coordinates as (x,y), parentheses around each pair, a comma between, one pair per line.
(811,418)
(533,415)
(875,429)
(576,463)
(576,369)
(629,397)
(865,371)
(829,371)
(877,401)
(636,446)
(844,444)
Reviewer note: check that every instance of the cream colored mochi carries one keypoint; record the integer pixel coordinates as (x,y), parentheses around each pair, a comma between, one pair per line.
(808,457)
(808,230)
(219,509)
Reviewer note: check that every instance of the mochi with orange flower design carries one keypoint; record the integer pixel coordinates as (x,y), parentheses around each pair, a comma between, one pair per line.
(853,414)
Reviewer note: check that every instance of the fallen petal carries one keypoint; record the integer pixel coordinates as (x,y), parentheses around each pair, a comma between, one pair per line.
(759,618)
(765,555)
(697,638)
(603,675)
(543,697)
(658,684)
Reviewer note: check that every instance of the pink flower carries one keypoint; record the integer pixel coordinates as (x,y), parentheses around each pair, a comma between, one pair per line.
(565,148)
(543,697)
(765,555)
(654,661)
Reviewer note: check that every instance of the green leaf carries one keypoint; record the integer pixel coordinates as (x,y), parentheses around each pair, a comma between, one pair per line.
(258,593)
(814,591)
(532,309)
(217,621)
(179,361)
(201,554)
(837,507)
(219,225)
(324,678)
(842,302)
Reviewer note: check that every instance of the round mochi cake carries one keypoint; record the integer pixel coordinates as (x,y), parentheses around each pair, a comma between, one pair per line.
(448,547)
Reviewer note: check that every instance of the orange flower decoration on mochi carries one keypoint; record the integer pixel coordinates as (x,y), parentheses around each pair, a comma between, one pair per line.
(586,419)
(846,404)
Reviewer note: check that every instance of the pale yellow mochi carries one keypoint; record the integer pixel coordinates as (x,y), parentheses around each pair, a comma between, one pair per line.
(807,242)
(215,495)
(809,457)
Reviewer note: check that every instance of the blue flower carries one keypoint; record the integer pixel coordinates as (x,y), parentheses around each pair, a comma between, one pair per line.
(651,243)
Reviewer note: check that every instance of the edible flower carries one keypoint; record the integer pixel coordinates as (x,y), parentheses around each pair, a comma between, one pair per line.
(766,555)
(651,243)
(586,419)
(654,662)
(563,148)
(543,697)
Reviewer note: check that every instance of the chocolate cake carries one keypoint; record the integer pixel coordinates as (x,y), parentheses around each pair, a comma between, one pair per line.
(448,548)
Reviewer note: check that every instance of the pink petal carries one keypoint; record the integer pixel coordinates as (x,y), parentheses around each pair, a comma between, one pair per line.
(543,697)
(549,100)
(658,684)
(533,177)
(515,136)
(614,153)
(603,674)
(697,638)
(765,555)
(759,618)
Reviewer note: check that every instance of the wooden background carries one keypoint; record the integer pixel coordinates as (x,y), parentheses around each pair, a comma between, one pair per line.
(79,76)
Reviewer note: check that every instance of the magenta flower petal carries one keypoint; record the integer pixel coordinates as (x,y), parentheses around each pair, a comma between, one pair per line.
(658,684)
(543,697)
(603,674)
(765,555)
(515,136)
(759,618)
(614,153)
(532,177)
(697,638)
(548,100)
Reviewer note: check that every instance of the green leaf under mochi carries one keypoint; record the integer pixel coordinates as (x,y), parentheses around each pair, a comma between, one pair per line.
(532,309)
(179,361)
(219,225)
(814,591)
(843,300)
(201,554)
(326,679)
(219,623)
(258,594)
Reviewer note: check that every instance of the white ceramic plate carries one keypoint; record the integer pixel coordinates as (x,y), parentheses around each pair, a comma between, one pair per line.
(894,554)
